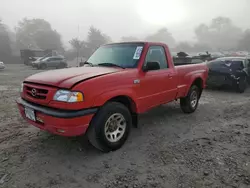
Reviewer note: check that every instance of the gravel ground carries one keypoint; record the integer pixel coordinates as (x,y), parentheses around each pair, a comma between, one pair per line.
(209,148)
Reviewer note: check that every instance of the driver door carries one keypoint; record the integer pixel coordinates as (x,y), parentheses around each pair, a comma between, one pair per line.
(155,85)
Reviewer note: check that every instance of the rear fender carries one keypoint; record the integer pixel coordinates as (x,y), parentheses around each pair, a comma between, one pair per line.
(104,97)
(194,76)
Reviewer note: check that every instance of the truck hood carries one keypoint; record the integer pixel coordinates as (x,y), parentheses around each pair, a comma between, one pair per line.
(66,78)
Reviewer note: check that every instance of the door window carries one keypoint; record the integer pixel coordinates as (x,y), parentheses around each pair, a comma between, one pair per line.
(157,54)
(51,59)
(58,59)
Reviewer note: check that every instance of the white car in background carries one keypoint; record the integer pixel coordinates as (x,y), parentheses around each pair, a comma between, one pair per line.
(2,66)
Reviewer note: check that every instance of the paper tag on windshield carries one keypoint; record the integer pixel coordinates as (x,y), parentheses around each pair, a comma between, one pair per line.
(138,51)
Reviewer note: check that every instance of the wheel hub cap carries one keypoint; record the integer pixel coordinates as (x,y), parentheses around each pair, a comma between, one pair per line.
(194,99)
(115,127)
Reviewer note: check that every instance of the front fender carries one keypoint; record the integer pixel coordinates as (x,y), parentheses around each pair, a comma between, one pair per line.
(104,97)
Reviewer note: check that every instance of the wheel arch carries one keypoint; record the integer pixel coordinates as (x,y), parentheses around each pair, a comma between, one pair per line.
(199,83)
(125,99)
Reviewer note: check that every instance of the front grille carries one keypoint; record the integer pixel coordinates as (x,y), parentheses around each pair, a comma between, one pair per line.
(36,93)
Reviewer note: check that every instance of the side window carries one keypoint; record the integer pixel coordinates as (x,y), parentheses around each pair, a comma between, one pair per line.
(58,59)
(50,59)
(157,53)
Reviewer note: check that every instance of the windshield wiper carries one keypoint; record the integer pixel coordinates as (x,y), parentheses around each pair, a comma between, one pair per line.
(110,65)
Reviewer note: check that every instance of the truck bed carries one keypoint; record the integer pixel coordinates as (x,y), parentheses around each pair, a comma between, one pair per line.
(184,72)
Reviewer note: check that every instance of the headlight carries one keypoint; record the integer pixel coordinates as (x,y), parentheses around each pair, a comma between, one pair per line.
(21,89)
(68,96)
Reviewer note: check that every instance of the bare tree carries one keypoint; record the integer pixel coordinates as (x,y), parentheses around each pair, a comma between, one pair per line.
(77,45)
(96,38)
(5,43)
(37,33)
(184,46)
(221,33)
(244,42)
(162,35)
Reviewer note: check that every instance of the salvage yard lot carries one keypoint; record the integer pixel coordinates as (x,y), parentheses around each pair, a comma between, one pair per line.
(209,148)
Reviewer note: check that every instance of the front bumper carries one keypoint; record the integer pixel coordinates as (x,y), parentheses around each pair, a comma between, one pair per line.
(60,122)
(2,67)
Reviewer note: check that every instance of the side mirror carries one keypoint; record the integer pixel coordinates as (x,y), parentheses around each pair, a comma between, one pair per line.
(151,65)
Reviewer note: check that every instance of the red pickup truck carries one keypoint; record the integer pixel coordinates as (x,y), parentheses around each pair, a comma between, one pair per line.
(103,98)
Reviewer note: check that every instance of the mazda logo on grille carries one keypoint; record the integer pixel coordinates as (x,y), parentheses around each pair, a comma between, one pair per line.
(33,92)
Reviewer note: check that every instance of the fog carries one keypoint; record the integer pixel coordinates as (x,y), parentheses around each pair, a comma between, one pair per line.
(79,27)
(119,18)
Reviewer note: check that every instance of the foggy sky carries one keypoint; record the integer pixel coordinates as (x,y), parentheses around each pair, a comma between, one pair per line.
(119,18)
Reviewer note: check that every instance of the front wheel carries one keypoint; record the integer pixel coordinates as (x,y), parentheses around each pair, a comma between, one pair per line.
(110,127)
(191,101)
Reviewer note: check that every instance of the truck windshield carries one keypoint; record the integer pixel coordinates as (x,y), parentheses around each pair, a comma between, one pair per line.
(124,55)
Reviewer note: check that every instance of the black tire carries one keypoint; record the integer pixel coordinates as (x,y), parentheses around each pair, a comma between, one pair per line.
(96,132)
(43,66)
(241,87)
(186,102)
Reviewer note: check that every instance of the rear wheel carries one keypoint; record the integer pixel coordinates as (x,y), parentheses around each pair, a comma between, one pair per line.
(242,85)
(110,127)
(43,66)
(191,101)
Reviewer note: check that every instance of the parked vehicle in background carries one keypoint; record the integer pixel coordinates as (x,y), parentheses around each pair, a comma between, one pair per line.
(104,99)
(196,61)
(33,63)
(49,62)
(207,56)
(2,66)
(229,71)
(248,59)
(29,55)
(242,53)
(215,55)
(182,58)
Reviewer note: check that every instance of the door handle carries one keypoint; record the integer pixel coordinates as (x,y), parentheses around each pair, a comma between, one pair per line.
(170,76)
